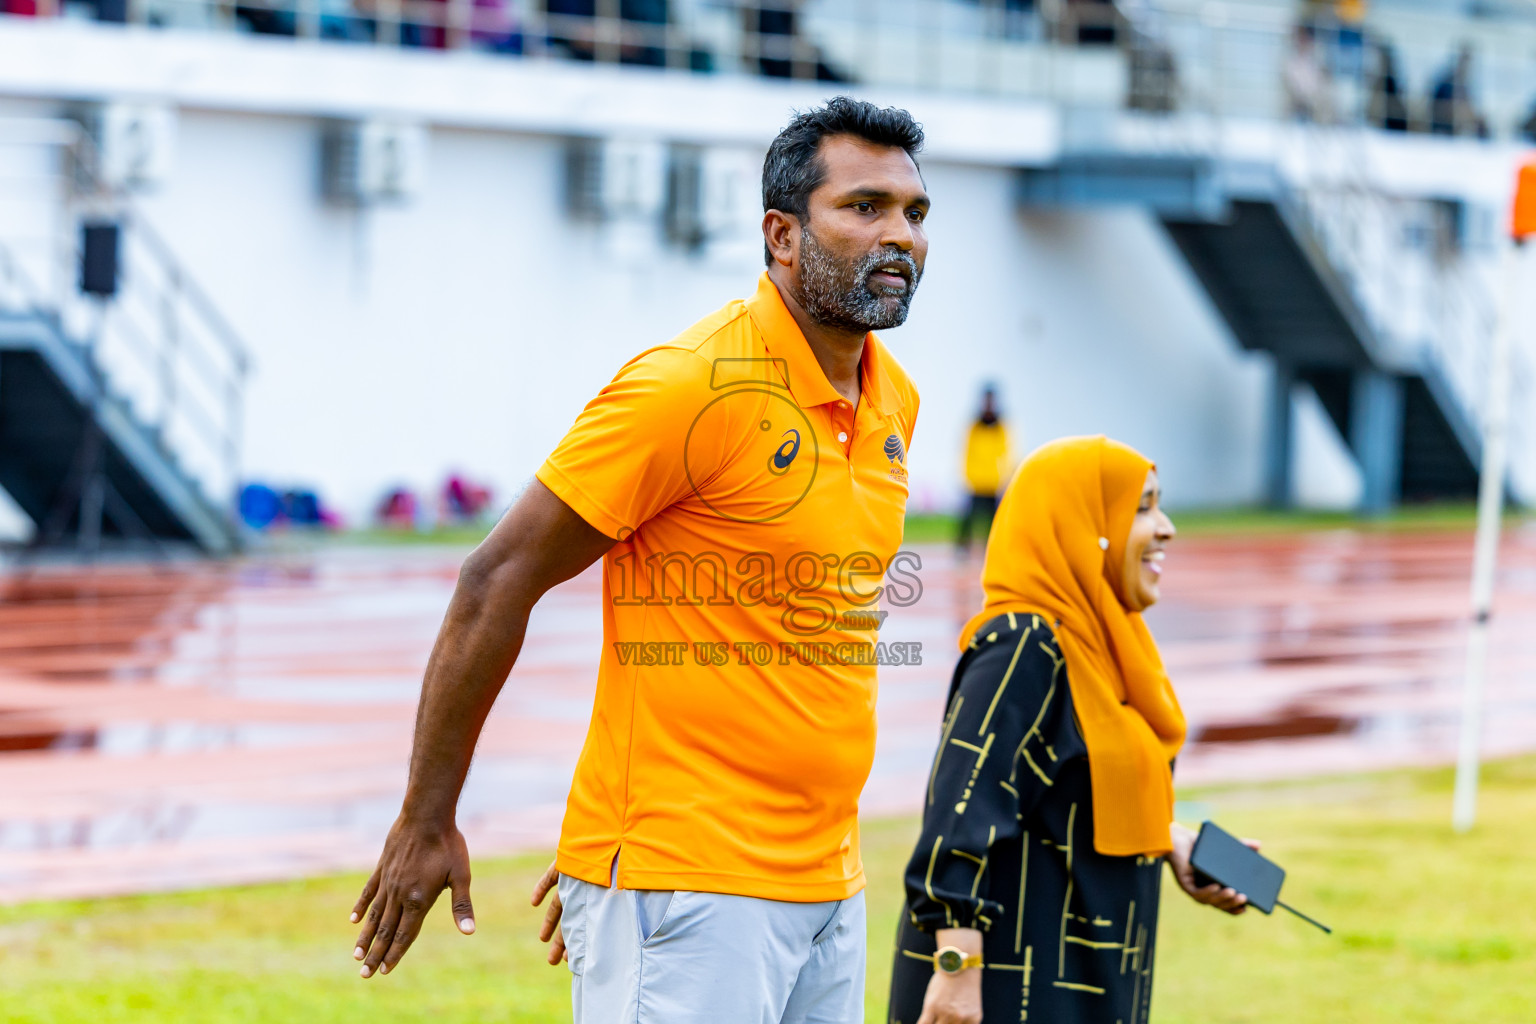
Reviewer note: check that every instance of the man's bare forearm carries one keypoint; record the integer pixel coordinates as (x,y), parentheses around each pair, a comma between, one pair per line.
(538,544)
(479,642)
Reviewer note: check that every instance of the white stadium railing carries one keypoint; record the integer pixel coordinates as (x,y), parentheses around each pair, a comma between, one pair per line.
(1154,55)
(160,342)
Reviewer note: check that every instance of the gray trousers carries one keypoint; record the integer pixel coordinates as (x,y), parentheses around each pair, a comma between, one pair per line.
(642,956)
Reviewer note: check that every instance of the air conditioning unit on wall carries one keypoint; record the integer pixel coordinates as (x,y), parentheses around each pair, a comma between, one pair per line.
(713,199)
(615,179)
(363,163)
(132,143)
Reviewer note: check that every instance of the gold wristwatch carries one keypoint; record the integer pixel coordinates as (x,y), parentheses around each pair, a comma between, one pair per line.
(952,960)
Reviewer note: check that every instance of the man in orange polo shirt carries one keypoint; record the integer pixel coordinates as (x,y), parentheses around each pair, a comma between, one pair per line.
(745,485)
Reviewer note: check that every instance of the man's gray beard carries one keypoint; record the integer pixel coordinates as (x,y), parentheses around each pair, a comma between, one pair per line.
(837,294)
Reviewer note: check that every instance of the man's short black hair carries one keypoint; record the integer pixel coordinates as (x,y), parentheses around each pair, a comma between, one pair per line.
(793,169)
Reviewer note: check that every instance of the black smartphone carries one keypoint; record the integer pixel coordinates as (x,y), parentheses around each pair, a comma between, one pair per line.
(1222,858)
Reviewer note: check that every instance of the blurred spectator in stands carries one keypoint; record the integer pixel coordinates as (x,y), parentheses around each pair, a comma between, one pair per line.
(987,464)
(1351,12)
(571,30)
(495,27)
(1388,109)
(264,21)
(20,8)
(773,31)
(462,500)
(348,21)
(1308,86)
(1451,110)
(1348,35)
(647,46)
(1095,22)
(431,33)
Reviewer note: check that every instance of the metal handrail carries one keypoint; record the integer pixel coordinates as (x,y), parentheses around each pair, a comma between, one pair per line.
(1444,329)
(12,271)
(192,363)
(1453,333)
(1242,42)
(236,348)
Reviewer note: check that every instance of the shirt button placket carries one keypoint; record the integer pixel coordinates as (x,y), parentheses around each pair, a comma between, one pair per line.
(844,419)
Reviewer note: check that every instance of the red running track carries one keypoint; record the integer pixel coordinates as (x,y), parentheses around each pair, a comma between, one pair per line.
(172,726)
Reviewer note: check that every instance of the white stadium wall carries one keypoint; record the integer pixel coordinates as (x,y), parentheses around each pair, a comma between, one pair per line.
(463,329)
(466,329)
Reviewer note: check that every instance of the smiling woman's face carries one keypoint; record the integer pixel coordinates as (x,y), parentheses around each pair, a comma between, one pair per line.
(1142,574)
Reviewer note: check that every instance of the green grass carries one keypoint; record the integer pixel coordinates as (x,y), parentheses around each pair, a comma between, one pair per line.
(929,528)
(1417,517)
(939,527)
(921,528)
(1431,927)
(466,536)
(1205,522)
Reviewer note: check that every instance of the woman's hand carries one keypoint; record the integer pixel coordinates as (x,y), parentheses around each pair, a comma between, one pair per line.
(1213,895)
(955,998)
(550,931)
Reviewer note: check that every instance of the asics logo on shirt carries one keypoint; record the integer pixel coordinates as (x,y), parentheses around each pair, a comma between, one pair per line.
(787,451)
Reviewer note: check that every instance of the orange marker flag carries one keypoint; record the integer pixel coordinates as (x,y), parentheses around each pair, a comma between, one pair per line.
(1523,216)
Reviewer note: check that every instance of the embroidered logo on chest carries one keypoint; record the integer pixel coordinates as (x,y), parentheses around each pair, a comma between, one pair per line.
(897,453)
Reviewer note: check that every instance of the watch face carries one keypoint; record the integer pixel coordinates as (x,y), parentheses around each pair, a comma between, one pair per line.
(950,960)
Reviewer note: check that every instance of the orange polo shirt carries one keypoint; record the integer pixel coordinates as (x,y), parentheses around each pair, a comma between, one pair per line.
(734,723)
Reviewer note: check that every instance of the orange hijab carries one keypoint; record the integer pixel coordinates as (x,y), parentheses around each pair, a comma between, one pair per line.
(1045,556)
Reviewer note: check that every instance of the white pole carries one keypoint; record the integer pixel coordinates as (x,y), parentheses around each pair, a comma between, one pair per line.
(1490,501)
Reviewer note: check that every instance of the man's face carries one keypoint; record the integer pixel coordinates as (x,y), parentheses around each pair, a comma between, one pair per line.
(861,248)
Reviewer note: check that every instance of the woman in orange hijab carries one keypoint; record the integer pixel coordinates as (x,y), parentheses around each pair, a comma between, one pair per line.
(1033,891)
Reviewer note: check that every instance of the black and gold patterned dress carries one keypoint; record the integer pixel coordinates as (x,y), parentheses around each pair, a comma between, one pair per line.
(1007,848)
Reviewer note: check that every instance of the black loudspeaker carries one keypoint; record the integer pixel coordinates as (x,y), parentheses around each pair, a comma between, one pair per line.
(98,258)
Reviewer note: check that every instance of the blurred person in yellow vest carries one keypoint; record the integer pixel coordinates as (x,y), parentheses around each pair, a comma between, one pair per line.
(1351,12)
(987,464)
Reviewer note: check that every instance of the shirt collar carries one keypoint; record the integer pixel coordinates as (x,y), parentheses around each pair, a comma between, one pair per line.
(807,381)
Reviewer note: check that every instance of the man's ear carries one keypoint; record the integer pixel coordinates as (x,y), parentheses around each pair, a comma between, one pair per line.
(781,233)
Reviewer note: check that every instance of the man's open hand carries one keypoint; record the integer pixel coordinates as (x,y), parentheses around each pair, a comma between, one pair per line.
(417,864)
(540,543)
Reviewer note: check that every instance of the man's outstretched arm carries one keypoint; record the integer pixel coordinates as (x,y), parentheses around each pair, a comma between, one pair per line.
(539,543)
